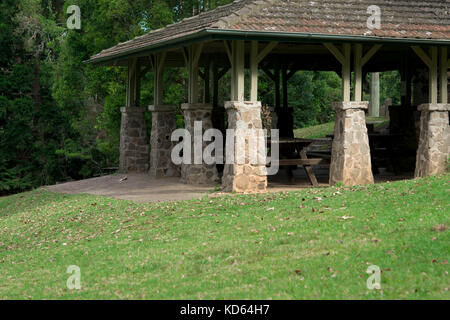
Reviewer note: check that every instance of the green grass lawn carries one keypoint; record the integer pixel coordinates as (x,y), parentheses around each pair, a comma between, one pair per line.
(310,244)
(320,131)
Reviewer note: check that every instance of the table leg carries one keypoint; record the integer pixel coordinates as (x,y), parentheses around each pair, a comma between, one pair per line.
(309,170)
(288,169)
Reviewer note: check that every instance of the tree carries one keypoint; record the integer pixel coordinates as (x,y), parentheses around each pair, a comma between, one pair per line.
(15,102)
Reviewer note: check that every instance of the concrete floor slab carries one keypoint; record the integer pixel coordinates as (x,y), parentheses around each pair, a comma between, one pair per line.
(136,187)
(141,187)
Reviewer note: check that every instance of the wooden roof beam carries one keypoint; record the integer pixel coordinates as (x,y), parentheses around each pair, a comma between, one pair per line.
(422,55)
(264,52)
(370,54)
(336,52)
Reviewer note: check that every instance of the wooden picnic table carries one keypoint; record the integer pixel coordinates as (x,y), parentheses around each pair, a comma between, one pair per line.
(300,146)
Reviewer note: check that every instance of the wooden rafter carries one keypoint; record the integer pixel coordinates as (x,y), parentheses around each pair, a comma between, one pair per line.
(268,72)
(228,51)
(431,61)
(222,72)
(192,56)
(158,60)
(132,83)
(292,70)
(237,74)
(422,55)
(360,60)
(336,52)
(255,59)
(264,52)
(358,48)
(444,75)
(434,75)
(370,54)
(344,59)
(346,72)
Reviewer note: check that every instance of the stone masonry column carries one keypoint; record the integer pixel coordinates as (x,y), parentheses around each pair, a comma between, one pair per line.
(133,140)
(434,141)
(246,176)
(198,174)
(350,158)
(163,124)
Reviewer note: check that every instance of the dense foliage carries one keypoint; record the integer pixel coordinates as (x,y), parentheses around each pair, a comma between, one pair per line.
(60,118)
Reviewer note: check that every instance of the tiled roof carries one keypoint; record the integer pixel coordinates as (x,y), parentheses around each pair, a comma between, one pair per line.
(185,27)
(399,18)
(426,19)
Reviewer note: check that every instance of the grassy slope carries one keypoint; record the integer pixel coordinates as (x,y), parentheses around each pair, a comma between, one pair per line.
(320,131)
(293,245)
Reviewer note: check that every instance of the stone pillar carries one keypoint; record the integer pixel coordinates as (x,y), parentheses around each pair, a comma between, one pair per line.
(434,141)
(244,177)
(198,174)
(163,124)
(350,158)
(133,140)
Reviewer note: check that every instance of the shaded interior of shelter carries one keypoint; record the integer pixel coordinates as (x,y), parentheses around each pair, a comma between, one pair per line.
(393,155)
(393,140)
(393,144)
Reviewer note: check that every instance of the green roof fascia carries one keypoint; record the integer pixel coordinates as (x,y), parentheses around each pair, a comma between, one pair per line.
(224,34)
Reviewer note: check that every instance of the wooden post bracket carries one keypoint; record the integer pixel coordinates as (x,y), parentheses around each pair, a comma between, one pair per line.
(431,61)
(360,59)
